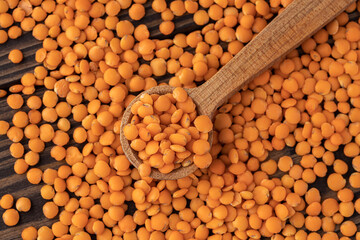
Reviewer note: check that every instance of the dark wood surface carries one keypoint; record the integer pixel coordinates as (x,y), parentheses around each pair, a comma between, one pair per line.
(10,74)
(18,186)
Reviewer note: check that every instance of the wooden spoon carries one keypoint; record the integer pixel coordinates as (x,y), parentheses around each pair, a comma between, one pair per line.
(300,20)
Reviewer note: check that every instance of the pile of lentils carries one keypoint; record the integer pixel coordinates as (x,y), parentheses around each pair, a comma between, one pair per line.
(166,133)
(93,63)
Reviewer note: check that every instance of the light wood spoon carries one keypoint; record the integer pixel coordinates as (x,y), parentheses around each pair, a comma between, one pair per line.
(300,20)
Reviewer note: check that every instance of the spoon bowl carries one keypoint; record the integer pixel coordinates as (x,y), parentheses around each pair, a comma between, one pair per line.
(300,20)
(132,154)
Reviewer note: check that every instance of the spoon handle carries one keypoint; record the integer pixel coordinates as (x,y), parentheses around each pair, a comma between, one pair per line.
(300,20)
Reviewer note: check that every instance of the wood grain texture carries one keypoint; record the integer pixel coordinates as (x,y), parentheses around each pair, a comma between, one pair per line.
(297,22)
(19,186)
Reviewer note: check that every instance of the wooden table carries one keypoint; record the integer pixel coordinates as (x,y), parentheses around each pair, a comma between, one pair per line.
(18,186)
